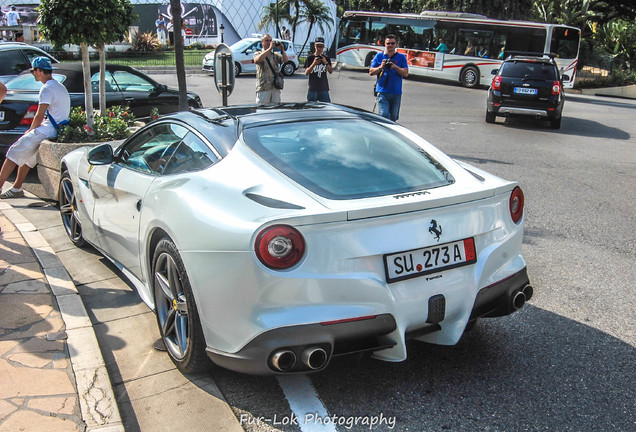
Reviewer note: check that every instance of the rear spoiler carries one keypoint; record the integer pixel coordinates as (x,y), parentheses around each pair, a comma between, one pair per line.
(510,54)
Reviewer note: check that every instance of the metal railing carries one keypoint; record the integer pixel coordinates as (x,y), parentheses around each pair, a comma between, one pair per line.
(137,59)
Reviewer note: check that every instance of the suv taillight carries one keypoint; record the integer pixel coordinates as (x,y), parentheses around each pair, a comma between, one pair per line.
(279,247)
(29,115)
(556,88)
(496,83)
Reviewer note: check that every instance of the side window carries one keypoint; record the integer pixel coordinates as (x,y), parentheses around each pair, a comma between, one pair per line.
(12,62)
(191,155)
(131,82)
(109,81)
(31,54)
(150,151)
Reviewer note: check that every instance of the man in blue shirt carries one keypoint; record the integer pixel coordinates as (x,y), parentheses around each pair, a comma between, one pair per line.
(391,68)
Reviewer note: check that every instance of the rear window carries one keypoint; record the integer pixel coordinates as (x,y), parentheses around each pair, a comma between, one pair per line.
(347,159)
(27,82)
(529,70)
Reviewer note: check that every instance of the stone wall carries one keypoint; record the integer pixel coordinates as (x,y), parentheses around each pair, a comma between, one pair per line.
(49,157)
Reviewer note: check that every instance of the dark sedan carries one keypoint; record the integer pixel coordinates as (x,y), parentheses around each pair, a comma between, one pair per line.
(124,86)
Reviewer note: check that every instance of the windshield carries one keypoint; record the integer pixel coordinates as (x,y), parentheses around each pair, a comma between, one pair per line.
(28,82)
(347,159)
(241,45)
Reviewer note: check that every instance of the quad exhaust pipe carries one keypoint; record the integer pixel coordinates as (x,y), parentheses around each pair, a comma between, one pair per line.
(521,297)
(314,358)
(311,358)
(283,360)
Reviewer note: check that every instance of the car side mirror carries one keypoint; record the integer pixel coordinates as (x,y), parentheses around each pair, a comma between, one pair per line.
(565,77)
(494,72)
(101,155)
(248,51)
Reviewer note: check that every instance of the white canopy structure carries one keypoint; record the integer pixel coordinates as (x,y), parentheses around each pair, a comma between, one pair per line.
(240,18)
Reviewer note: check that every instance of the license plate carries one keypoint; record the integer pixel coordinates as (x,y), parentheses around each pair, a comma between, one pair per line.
(525,90)
(1,115)
(433,259)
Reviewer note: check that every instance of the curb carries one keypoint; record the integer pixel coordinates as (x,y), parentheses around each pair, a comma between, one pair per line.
(98,405)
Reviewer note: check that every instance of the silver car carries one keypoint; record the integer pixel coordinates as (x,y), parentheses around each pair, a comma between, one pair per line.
(272,238)
(243,56)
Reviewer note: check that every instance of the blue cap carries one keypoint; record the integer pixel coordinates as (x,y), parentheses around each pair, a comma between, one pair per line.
(41,63)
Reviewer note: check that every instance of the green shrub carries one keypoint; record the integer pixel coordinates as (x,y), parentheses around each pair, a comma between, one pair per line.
(114,125)
(616,78)
(146,42)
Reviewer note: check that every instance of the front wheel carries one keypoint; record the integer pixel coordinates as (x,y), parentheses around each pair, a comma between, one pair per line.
(288,69)
(68,210)
(176,310)
(470,77)
(237,69)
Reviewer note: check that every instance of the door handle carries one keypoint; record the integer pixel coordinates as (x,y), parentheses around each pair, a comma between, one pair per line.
(129,99)
(138,205)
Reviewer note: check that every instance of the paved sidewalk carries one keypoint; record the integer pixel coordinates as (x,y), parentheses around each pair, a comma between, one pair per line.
(52,375)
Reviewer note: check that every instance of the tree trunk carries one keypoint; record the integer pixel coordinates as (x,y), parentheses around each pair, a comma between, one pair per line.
(102,80)
(311,25)
(175,7)
(88,91)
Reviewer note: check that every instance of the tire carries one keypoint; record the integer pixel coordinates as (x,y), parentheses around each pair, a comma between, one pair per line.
(470,77)
(176,311)
(68,210)
(490,117)
(288,69)
(556,123)
(237,69)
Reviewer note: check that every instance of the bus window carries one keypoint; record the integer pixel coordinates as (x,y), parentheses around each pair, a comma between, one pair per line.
(475,43)
(353,32)
(565,42)
(446,32)
(526,40)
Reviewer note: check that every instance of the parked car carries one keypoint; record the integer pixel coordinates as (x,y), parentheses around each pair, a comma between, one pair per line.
(243,56)
(527,85)
(124,86)
(16,57)
(273,238)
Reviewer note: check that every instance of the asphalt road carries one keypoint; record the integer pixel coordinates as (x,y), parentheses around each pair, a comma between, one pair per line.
(565,362)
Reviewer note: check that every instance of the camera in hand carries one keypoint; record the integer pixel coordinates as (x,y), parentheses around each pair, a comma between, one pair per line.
(278,43)
(388,64)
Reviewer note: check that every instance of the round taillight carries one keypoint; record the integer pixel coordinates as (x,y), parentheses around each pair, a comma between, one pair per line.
(516,204)
(279,246)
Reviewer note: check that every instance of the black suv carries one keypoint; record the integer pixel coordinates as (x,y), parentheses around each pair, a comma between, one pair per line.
(527,85)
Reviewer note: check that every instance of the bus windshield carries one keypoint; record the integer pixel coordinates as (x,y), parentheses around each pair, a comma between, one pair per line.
(565,42)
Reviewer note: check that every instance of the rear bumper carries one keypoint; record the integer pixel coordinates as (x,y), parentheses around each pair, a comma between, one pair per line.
(372,334)
(548,110)
(335,339)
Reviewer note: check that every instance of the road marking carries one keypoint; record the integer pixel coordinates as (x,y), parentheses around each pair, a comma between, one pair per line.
(304,403)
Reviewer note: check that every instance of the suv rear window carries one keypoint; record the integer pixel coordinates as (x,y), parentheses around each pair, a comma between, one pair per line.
(347,159)
(534,70)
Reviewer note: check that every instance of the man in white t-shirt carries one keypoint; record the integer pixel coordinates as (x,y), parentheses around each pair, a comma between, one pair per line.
(54,109)
(13,17)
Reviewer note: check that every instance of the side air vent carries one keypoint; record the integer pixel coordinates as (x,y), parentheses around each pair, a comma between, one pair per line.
(273,203)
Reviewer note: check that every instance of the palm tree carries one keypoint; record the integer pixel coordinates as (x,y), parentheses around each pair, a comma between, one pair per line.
(272,17)
(315,12)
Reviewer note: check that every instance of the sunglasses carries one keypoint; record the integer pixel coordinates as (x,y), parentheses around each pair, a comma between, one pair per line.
(389,43)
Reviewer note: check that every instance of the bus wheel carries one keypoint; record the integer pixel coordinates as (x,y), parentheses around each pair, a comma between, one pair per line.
(470,77)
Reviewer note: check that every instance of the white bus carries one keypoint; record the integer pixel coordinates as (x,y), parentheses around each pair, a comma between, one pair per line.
(453,45)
